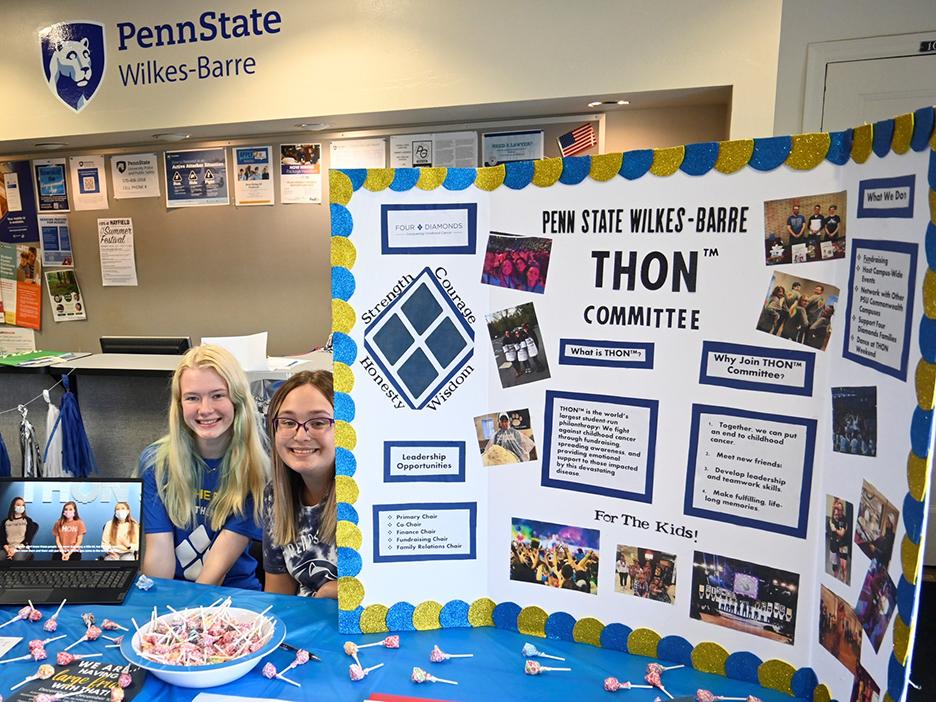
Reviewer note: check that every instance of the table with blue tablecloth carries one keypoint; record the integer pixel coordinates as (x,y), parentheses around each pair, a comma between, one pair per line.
(495,672)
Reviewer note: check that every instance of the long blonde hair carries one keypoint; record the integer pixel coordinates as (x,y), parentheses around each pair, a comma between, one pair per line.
(244,467)
(287,484)
(129,521)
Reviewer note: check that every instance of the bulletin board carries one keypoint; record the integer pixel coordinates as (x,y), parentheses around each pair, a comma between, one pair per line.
(677,436)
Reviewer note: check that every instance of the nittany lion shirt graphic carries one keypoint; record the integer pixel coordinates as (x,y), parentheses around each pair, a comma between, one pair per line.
(73,59)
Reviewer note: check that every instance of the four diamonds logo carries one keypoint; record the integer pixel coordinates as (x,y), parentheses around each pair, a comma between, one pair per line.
(420,340)
(73,60)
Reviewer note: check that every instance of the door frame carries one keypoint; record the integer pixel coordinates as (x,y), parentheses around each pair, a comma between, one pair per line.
(821,54)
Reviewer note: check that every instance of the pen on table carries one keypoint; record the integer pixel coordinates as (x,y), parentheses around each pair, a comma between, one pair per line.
(290,647)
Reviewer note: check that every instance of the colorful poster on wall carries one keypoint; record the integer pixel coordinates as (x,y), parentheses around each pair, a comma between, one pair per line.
(593,401)
(196,177)
(17,204)
(51,184)
(65,296)
(300,173)
(115,243)
(135,175)
(88,182)
(56,241)
(504,147)
(254,168)
(21,285)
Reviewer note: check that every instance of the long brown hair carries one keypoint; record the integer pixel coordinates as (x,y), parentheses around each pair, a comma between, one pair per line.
(56,528)
(287,484)
(115,524)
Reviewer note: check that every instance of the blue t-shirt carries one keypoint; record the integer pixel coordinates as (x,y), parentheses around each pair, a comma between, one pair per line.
(191,545)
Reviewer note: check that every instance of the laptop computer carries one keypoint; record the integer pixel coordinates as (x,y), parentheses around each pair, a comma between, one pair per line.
(93,558)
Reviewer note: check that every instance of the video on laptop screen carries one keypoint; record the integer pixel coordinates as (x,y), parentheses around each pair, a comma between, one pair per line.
(70,520)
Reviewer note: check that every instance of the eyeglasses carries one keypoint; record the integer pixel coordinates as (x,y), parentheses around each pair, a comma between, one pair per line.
(288,426)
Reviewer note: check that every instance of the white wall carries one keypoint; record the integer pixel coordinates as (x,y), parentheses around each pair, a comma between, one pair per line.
(362,56)
(806,22)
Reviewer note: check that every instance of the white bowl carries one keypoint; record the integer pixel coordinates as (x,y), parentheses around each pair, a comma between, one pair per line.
(200,676)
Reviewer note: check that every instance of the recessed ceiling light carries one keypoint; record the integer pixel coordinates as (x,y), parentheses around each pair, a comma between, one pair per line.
(599,103)
(50,145)
(313,126)
(171,136)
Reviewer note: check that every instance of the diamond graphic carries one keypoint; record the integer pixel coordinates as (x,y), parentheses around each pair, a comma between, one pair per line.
(420,340)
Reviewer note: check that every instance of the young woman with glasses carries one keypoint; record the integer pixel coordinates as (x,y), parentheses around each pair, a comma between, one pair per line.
(299,508)
(203,481)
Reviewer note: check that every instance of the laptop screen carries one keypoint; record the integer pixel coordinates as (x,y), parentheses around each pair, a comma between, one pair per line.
(60,520)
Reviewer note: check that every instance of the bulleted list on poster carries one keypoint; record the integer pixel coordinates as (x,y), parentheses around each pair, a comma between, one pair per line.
(600,444)
(882,280)
(749,467)
(415,532)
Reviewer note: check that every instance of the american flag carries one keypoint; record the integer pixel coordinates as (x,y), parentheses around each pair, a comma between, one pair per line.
(578,140)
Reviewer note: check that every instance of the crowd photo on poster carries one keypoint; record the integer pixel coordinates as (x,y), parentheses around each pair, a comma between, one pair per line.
(554,555)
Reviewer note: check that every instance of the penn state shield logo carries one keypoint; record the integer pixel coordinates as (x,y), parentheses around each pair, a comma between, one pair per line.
(73,60)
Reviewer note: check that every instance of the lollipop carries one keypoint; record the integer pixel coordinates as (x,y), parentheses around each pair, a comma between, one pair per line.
(116,639)
(110,625)
(32,614)
(356,672)
(531,651)
(420,676)
(302,657)
(614,685)
(351,649)
(706,696)
(39,643)
(91,634)
(269,671)
(653,677)
(44,672)
(66,658)
(389,642)
(36,653)
(125,680)
(439,656)
(659,669)
(52,622)
(24,613)
(533,668)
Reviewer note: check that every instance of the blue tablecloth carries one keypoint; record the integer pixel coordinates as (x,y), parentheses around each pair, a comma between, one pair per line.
(494,673)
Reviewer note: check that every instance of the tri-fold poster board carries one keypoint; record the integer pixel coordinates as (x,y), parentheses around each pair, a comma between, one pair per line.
(676,402)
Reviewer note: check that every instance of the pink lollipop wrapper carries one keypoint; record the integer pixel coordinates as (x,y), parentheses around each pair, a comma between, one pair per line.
(36,643)
(93,633)
(35,615)
(392,642)
(704,696)
(50,626)
(125,680)
(653,678)
(269,671)
(355,672)
(437,655)
(612,684)
(38,653)
(302,656)
(654,668)
(531,667)
(64,658)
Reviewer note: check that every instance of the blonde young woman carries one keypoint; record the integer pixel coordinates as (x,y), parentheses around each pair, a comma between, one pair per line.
(203,481)
(299,508)
(120,539)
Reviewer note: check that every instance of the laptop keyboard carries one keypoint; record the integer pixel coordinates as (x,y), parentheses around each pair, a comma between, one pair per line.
(59,579)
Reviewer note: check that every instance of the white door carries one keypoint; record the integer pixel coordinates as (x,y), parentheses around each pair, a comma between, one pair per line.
(865,80)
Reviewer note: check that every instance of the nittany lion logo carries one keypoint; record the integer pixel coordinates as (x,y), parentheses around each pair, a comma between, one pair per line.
(73,59)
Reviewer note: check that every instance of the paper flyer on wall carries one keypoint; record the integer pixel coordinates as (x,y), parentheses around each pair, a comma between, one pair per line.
(16,340)
(196,177)
(441,150)
(706,445)
(17,204)
(65,296)
(88,182)
(21,284)
(254,168)
(115,242)
(358,153)
(51,184)
(56,241)
(135,175)
(300,173)
(505,147)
